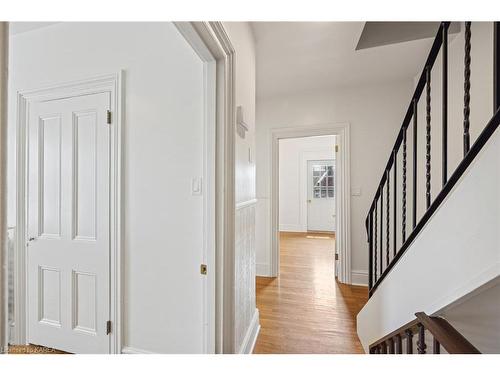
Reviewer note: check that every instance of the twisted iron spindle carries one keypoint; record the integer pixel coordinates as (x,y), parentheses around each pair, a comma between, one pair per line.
(375,244)
(467,61)
(409,341)
(403,221)
(421,346)
(428,139)
(381,230)
(387,240)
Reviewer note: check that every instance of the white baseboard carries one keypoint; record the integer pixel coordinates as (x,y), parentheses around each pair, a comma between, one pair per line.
(263,269)
(359,277)
(130,350)
(292,228)
(251,336)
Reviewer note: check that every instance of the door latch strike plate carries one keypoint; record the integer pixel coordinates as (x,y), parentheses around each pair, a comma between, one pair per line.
(203,269)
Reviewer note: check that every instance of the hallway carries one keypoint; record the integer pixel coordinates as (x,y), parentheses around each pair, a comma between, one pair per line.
(304,310)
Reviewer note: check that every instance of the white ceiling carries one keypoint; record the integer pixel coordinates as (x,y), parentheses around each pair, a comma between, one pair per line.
(22,27)
(302,56)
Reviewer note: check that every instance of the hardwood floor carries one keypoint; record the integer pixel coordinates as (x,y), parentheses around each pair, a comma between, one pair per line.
(33,349)
(305,310)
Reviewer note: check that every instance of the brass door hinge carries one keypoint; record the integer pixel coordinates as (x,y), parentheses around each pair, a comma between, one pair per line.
(336,256)
(336,148)
(203,269)
(108,327)
(108,117)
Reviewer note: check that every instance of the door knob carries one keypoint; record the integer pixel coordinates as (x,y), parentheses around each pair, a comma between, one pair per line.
(308,201)
(31,239)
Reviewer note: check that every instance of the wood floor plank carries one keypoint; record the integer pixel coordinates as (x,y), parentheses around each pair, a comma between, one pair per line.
(305,310)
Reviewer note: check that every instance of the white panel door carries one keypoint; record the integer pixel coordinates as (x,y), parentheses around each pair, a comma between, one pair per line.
(321,195)
(68,223)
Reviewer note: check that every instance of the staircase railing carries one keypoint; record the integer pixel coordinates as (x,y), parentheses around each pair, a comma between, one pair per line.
(443,335)
(381,261)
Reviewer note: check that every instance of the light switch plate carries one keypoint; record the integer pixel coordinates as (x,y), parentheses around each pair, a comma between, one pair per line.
(196,186)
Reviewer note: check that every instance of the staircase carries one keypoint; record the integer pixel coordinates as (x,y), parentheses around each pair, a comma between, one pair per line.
(433,240)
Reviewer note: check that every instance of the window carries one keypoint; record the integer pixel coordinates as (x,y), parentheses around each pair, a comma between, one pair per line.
(323,183)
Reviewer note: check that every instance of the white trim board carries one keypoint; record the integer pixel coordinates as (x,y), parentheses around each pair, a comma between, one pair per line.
(214,37)
(131,350)
(343,196)
(250,338)
(112,84)
(359,277)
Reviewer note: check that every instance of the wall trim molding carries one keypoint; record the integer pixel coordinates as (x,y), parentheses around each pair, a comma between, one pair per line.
(359,277)
(215,38)
(263,270)
(343,205)
(131,350)
(250,339)
(293,228)
(112,84)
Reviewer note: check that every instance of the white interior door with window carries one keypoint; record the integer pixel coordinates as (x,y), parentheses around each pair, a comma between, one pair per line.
(321,195)
(68,251)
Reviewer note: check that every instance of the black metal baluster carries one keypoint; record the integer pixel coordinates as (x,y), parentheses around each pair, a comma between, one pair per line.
(399,344)
(436,346)
(414,213)
(421,339)
(467,61)
(428,140)
(381,230)
(383,348)
(394,208)
(445,104)
(409,341)
(370,249)
(403,220)
(375,265)
(390,346)
(387,239)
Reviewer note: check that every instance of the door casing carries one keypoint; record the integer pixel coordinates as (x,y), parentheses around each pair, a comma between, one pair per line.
(343,196)
(113,85)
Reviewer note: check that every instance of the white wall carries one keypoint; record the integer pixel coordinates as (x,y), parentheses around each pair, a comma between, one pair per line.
(246,314)
(293,156)
(159,123)
(456,253)
(375,114)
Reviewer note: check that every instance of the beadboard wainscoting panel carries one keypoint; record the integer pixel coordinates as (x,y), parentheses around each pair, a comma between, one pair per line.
(245,308)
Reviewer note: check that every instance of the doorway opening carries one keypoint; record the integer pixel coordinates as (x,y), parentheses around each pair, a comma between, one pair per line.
(339,152)
(307,191)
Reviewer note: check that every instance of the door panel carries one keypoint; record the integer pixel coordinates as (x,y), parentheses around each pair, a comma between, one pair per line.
(321,195)
(68,223)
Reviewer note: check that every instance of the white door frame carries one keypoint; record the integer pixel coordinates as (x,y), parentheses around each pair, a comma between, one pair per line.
(342,160)
(212,36)
(209,212)
(4,61)
(112,84)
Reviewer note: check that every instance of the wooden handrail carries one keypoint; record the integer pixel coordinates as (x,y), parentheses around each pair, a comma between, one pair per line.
(446,335)
(442,332)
